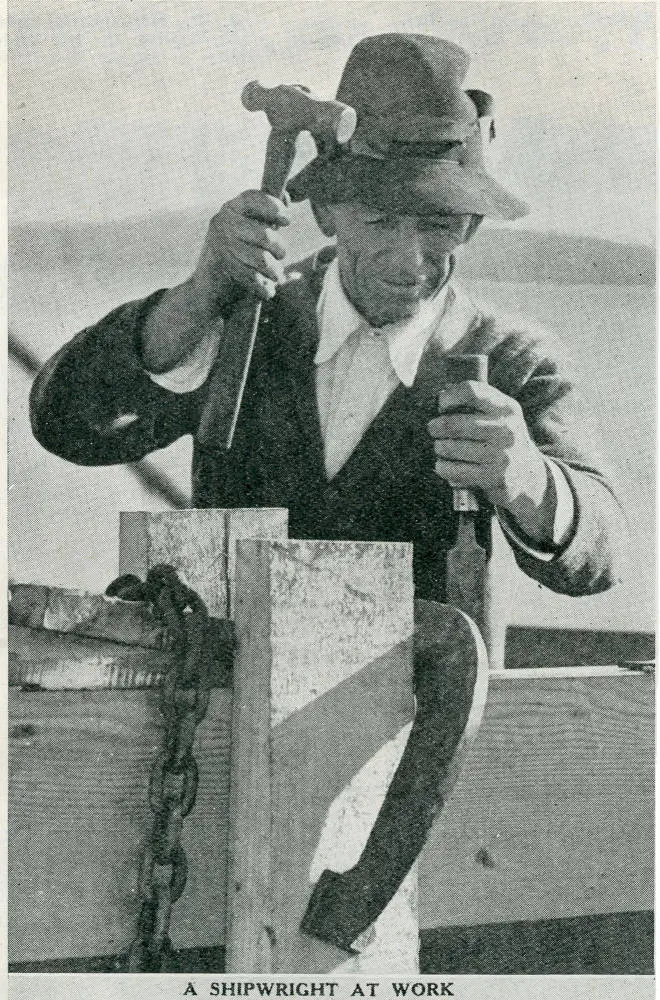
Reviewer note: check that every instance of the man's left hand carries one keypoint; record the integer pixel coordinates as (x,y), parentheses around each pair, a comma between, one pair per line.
(487,446)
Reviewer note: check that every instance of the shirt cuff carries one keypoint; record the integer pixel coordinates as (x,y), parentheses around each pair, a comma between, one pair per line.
(193,370)
(564,522)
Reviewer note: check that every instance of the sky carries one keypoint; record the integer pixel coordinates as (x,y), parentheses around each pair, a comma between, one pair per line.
(118,109)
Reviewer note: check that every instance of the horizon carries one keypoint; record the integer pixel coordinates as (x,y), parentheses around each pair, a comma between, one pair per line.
(488,225)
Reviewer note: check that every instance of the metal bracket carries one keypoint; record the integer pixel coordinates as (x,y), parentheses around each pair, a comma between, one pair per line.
(451,683)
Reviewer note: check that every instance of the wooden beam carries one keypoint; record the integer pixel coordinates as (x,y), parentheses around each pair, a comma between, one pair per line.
(553,815)
(94,615)
(563,647)
(53,661)
(322,696)
(552,818)
(79,765)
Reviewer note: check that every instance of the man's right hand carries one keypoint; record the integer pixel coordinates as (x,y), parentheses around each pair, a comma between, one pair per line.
(241,251)
(242,244)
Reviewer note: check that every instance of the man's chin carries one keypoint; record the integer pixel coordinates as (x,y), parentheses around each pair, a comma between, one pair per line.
(398,310)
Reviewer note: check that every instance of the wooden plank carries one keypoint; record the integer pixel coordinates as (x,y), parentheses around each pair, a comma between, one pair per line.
(57,662)
(564,647)
(53,661)
(553,815)
(610,944)
(551,819)
(323,674)
(79,766)
(199,544)
(71,611)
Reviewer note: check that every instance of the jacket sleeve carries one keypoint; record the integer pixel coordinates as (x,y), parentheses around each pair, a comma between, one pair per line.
(94,404)
(533,369)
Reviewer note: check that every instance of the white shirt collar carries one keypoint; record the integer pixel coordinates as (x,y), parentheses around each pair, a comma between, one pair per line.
(406,340)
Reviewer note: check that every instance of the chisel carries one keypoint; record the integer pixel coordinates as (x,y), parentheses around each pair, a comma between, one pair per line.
(467,561)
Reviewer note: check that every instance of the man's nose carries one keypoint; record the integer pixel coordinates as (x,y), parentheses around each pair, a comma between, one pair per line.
(409,248)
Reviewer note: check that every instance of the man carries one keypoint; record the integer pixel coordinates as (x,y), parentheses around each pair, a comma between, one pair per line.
(345,419)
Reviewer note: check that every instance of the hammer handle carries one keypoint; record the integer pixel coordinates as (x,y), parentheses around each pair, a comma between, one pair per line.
(280,154)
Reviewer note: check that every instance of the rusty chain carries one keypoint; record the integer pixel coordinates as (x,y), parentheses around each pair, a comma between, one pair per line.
(163,866)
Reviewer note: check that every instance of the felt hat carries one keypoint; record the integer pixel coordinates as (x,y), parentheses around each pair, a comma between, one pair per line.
(418,143)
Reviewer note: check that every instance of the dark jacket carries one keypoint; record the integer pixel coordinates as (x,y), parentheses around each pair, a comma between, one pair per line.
(93,404)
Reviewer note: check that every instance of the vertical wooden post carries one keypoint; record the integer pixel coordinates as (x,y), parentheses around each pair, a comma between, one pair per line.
(200,544)
(322,698)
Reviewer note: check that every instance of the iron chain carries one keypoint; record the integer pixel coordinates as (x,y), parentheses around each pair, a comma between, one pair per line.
(185,692)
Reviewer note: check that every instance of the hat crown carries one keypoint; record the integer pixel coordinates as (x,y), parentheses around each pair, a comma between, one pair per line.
(417,146)
(407,92)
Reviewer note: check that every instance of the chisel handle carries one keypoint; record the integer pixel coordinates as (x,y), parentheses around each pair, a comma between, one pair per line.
(465,368)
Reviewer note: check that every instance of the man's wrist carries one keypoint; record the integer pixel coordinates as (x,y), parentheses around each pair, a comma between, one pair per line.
(177,324)
(533,507)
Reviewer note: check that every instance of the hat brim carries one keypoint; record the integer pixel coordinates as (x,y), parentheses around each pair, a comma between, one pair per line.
(405,185)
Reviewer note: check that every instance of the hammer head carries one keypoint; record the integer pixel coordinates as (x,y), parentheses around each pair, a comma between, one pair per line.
(294,109)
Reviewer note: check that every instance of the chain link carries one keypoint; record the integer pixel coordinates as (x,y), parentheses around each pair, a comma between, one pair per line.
(185,693)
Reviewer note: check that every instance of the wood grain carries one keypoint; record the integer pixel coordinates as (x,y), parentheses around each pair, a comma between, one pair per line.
(199,544)
(552,818)
(330,627)
(56,662)
(70,611)
(78,773)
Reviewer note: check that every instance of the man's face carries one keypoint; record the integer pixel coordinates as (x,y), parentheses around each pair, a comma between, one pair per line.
(390,264)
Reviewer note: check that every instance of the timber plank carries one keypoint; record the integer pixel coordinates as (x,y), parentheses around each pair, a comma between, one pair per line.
(94,615)
(199,544)
(324,657)
(78,775)
(56,661)
(553,815)
(551,819)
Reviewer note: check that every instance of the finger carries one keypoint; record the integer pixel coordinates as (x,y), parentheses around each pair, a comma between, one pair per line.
(460,474)
(479,397)
(250,231)
(262,207)
(477,452)
(255,258)
(250,280)
(466,426)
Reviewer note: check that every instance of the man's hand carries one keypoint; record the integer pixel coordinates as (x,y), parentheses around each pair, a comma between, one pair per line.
(242,245)
(487,446)
(241,250)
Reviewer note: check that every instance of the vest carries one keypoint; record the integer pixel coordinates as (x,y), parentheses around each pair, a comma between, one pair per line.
(386,491)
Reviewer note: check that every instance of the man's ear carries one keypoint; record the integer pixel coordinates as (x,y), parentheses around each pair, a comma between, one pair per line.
(324,219)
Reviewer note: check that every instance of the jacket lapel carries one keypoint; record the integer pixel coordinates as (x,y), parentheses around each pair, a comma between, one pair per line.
(297,336)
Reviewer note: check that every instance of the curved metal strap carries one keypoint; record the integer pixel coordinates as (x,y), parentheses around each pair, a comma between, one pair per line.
(451,680)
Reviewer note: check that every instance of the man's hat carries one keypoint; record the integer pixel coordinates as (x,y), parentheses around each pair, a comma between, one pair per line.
(417,144)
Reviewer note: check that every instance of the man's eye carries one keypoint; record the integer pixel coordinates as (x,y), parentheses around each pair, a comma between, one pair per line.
(379,220)
(434,225)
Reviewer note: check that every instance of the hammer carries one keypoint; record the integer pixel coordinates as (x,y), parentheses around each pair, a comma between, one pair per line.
(290,111)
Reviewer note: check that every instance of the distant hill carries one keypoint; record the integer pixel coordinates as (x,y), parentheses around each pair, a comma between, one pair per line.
(174,240)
